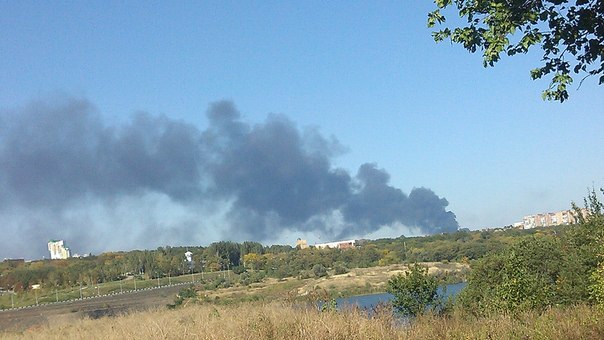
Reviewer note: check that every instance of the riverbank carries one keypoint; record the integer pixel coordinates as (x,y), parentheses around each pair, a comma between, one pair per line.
(356,282)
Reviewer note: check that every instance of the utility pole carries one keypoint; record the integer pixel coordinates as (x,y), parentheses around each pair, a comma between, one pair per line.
(12,299)
(80,290)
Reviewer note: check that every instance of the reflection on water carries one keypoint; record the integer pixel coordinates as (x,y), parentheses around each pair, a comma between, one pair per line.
(371,300)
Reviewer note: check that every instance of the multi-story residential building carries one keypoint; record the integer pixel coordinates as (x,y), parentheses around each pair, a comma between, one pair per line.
(550,219)
(58,250)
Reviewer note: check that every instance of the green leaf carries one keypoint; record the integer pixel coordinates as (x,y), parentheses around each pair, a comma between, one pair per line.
(571,30)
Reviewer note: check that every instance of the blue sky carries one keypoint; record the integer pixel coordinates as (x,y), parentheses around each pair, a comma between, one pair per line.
(366,73)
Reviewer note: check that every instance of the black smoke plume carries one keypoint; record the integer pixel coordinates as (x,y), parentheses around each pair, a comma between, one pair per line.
(61,167)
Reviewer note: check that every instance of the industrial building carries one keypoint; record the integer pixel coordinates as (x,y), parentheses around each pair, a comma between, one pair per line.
(337,245)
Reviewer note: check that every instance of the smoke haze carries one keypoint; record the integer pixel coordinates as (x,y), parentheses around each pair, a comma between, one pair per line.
(65,173)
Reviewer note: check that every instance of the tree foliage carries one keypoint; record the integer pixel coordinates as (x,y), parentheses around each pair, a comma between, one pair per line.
(414,292)
(522,278)
(273,261)
(319,270)
(570,34)
(544,270)
(591,243)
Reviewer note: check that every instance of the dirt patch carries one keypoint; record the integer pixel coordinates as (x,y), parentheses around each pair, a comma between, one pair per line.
(372,279)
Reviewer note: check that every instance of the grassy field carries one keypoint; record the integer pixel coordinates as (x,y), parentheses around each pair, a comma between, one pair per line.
(283,321)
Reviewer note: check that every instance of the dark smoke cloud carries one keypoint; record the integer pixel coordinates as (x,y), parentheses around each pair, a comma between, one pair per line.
(268,170)
(54,154)
(61,164)
(376,203)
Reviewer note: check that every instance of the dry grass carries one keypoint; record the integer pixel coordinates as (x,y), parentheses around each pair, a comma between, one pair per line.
(248,321)
(580,322)
(277,321)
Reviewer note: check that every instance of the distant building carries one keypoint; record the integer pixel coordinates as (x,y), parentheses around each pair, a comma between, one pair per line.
(563,217)
(302,244)
(337,245)
(58,250)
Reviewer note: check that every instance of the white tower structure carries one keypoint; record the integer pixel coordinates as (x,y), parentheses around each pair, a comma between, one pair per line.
(58,250)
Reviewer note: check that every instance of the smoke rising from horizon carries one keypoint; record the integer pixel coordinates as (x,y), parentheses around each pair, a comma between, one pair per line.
(64,173)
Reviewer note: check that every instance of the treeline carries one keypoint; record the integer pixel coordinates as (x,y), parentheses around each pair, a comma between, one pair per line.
(274,261)
(112,266)
(461,246)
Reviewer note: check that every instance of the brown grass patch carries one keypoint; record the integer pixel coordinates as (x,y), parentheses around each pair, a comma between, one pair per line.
(279,321)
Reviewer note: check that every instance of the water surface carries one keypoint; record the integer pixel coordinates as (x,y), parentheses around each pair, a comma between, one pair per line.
(371,300)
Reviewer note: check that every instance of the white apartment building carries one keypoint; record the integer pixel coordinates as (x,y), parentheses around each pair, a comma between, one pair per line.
(58,250)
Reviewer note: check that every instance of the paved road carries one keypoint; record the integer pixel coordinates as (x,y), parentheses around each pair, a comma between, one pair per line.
(21,319)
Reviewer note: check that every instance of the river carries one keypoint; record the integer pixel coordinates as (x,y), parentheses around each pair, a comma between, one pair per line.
(371,300)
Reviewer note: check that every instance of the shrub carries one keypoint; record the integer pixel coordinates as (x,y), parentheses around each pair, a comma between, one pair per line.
(340,268)
(319,270)
(414,292)
(239,269)
(305,274)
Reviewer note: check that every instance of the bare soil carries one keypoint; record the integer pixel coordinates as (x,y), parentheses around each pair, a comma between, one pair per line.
(374,278)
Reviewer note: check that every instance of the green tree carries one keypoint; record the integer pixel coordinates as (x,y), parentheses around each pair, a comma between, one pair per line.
(533,274)
(249,247)
(227,253)
(319,270)
(589,239)
(570,34)
(414,292)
